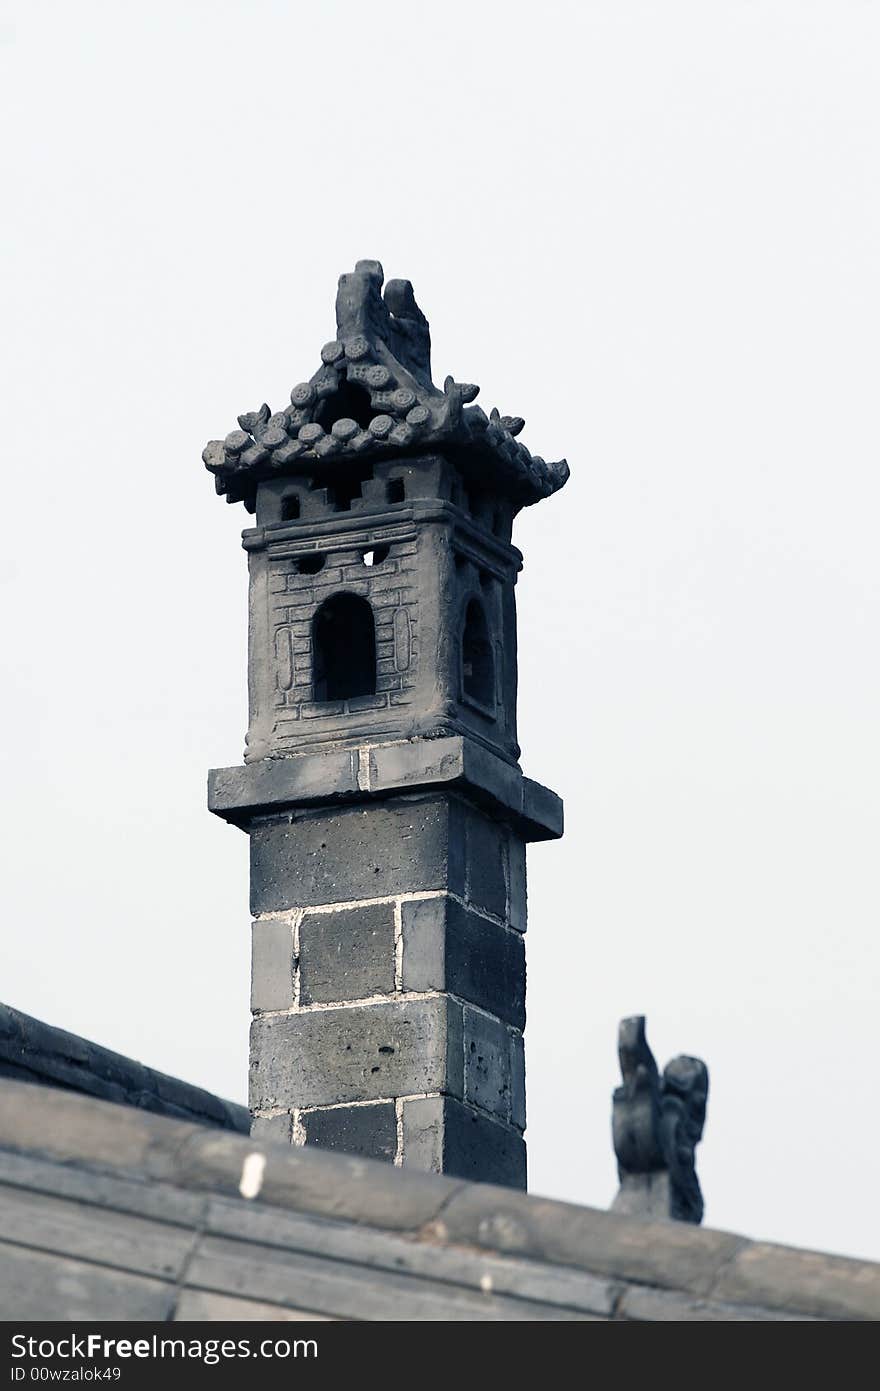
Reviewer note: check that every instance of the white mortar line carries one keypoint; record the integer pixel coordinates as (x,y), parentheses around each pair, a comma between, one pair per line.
(297,1129)
(344,1105)
(394,999)
(415,896)
(398,946)
(352,903)
(418,895)
(398,1153)
(398,998)
(363,768)
(297,970)
(470,1105)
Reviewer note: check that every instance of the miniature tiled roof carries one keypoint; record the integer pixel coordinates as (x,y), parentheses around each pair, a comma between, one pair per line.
(382,346)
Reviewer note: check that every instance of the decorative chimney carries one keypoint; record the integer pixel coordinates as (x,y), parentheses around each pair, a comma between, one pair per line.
(386,810)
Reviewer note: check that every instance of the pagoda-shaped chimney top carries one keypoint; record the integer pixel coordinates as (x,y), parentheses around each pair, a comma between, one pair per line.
(373,396)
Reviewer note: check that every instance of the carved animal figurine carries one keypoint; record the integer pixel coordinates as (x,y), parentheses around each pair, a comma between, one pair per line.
(657,1123)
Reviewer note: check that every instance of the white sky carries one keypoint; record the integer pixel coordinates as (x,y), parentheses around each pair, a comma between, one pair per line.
(652,230)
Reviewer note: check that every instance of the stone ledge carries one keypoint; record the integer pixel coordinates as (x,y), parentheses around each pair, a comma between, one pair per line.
(375,771)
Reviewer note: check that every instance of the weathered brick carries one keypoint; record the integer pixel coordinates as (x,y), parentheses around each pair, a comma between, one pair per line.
(347,955)
(517,1081)
(322,710)
(517,911)
(443,1136)
(361,852)
(275,1128)
(445,947)
(486,853)
(487,1063)
(361,1053)
(370,1131)
(272,964)
(371,702)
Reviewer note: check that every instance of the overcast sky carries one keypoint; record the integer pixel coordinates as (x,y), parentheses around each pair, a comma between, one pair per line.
(652,230)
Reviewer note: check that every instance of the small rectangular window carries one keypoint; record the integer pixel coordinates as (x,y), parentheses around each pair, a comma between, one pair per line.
(290,507)
(395,490)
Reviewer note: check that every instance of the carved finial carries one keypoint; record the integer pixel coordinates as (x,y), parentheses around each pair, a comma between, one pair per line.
(376,374)
(657,1122)
(393,320)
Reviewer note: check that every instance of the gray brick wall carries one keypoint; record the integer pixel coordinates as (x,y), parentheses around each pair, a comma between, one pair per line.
(389,970)
(295,597)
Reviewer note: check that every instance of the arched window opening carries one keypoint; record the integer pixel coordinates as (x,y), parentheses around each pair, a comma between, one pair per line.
(344,649)
(395,490)
(477,661)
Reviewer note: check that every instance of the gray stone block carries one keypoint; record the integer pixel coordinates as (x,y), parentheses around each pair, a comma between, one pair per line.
(272,964)
(424,1134)
(487,1063)
(516,888)
(414,763)
(486,856)
(277,1128)
(445,947)
(370,1131)
(397,766)
(347,955)
(543,808)
(353,853)
(443,1136)
(361,1053)
(234,792)
(517,1081)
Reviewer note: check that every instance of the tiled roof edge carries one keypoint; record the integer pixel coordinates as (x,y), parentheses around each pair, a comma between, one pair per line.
(703,1264)
(34,1052)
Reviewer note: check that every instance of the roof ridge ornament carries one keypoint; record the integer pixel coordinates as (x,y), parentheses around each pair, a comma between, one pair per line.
(380,359)
(657,1123)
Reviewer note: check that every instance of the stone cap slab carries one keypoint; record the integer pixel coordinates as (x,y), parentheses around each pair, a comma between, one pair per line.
(453,763)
